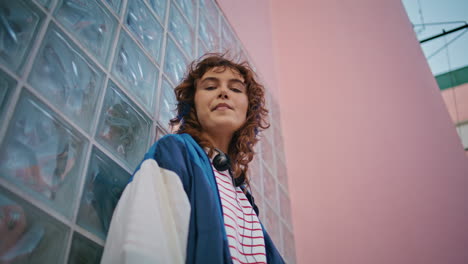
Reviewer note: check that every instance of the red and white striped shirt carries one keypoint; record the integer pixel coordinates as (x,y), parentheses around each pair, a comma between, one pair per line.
(243,229)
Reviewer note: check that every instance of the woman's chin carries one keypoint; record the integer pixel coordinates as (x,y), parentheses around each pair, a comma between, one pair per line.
(224,127)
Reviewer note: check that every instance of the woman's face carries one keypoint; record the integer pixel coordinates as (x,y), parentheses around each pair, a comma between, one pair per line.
(221,100)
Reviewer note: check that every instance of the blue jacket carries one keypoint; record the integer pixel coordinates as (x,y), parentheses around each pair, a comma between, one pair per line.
(207,241)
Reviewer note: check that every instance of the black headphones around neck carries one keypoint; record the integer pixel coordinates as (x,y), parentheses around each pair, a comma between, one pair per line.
(221,162)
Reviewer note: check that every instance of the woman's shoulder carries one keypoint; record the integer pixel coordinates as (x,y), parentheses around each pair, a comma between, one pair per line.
(170,137)
(168,143)
(171,141)
(169,152)
(174,143)
(175,137)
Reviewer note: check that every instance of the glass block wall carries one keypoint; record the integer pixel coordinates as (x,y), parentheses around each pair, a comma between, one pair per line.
(85,89)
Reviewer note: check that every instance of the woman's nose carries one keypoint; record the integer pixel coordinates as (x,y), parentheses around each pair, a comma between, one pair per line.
(223,93)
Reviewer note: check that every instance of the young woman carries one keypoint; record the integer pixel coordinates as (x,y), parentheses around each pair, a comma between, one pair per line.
(221,109)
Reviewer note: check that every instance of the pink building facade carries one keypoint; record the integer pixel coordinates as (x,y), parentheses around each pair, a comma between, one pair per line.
(376,170)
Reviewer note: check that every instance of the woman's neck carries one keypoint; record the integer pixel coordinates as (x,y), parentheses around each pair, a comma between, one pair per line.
(218,140)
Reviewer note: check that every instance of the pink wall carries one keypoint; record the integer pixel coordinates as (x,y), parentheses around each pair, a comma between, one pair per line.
(376,170)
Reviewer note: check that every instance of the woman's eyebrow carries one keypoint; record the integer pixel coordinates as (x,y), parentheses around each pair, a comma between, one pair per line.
(237,81)
(214,79)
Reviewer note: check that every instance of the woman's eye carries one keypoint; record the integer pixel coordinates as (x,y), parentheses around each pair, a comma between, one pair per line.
(236,90)
(210,88)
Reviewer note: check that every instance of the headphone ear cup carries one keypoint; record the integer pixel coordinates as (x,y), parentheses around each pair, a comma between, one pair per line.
(221,162)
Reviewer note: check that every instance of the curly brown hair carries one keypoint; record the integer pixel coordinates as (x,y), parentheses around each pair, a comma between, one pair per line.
(240,150)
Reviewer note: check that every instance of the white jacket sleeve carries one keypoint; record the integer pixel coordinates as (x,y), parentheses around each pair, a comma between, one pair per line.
(151,220)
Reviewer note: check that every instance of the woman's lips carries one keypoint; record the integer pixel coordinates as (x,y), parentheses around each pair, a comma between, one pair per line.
(222,106)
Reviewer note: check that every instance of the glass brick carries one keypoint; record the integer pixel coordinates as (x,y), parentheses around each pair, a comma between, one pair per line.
(275,112)
(285,206)
(278,139)
(145,27)
(159,134)
(89,23)
(44,3)
(159,7)
(41,155)
(105,182)
(167,104)
(282,173)
(208,8)
(7,85)
(270,188)
(255,174)
(202,49)
(227,36)
(242,56)
(188,8)
(123,128)
(181,31)
(272,224)
(267,153)
(135,71)
(115,4)
(289,245)
(20,21)
(66,78)
(30,235)
(229,42)
(84,251)
(175,63)
(258,198)
(208,34)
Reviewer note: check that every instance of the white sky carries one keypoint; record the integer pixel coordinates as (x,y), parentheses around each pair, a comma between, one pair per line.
(429,11)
